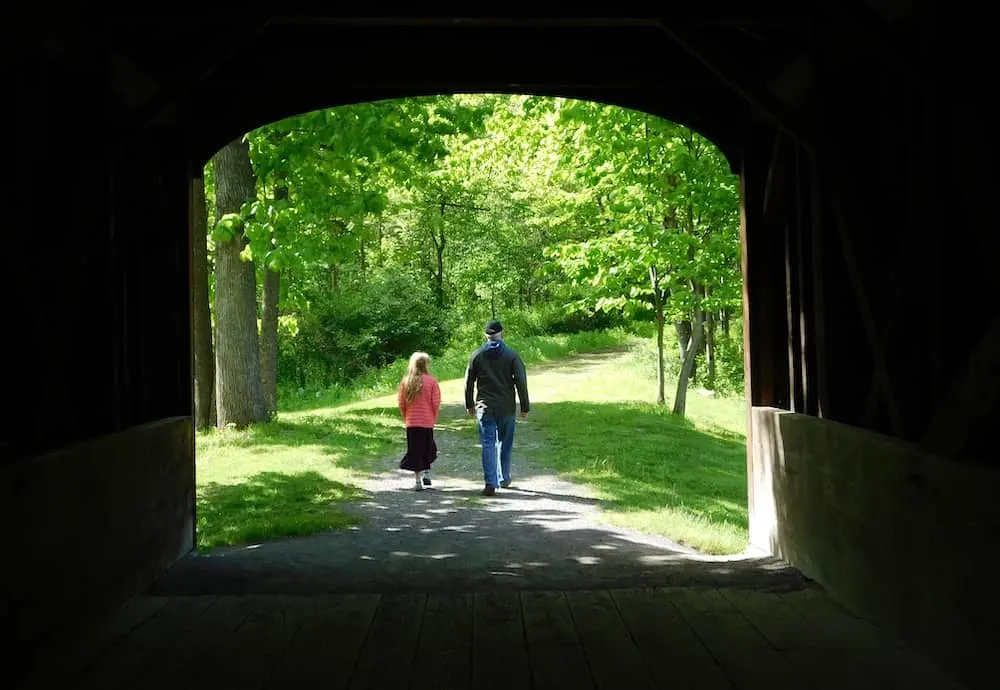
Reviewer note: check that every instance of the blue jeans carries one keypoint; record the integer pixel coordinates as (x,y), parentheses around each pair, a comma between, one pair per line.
(497,437)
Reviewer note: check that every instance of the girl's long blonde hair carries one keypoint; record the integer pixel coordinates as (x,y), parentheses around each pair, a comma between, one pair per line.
(413,382)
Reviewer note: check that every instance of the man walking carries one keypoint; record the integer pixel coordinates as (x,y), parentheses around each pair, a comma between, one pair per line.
(496,370)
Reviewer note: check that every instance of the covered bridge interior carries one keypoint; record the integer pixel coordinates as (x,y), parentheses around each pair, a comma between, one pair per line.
(871,299)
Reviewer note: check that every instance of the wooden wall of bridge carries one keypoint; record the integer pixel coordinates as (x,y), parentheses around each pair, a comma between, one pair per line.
(872,302)
(873,314)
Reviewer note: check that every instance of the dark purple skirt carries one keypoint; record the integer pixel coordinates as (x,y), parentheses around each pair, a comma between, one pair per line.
(421,451)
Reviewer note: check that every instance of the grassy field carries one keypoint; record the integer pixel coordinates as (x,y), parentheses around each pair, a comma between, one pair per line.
(594,424)
(288,477)
(681,478)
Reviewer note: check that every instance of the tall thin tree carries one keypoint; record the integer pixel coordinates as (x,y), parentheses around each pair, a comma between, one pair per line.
(269,327)
(204,361)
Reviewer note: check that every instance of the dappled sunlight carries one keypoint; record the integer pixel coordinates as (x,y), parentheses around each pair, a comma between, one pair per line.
(336,447)
(272,504)
(544,534)
(598,485)
(447,528)
(653,472)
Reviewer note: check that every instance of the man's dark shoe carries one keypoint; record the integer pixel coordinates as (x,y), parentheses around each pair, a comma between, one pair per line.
(489,491)
(504,485)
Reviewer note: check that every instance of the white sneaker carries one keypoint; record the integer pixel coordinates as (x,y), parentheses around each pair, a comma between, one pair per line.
(419,486)
(427,478)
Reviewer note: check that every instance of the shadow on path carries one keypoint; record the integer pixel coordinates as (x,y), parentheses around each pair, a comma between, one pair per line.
(544,533)
(449,538)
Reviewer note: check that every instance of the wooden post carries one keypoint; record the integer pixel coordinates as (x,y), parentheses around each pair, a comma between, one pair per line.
(818,331)
(748,387)
(805,314)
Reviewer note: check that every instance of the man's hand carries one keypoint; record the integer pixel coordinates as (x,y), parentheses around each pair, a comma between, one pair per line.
(524,415)
(470,410)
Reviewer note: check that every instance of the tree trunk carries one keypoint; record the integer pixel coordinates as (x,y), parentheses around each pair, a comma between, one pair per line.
(660,397)
(379,258)
(439,278)
(439,240)
(683,330)
(239,399)
(269,341)
(654,282)
(362,259)
(213,409)
(680,399)
(725,322)
(710,348)
(204,363)
(702,292)
(269,330)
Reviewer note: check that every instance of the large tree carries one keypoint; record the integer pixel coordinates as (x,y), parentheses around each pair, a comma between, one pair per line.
(238,390)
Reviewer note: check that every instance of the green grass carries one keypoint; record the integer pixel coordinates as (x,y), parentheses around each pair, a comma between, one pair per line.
(593,422)
(681,478)
(268,505)
(285,478)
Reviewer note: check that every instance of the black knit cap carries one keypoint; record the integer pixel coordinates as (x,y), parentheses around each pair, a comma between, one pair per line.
(493,327)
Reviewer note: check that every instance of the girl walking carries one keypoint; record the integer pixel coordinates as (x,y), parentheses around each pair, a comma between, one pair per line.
(419,399)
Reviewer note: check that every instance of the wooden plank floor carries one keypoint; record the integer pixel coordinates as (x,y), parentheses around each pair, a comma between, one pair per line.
(673,637)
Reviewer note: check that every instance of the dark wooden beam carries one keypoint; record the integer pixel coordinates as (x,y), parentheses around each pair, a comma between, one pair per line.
(861,18)
(747,85)
(805,317)
(970,399)
(817,336)
(696,15)
(776,184)
(848,210)
(479,22)
(195,70)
